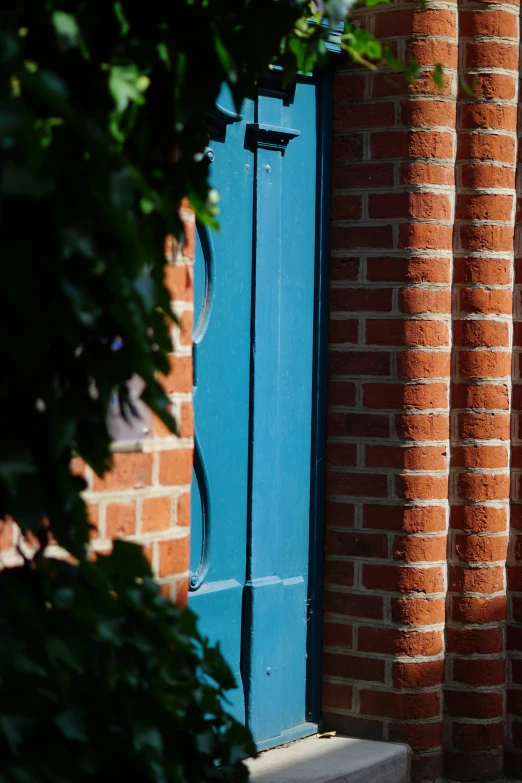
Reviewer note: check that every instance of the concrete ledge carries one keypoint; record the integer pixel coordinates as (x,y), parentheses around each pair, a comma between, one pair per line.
(333,760)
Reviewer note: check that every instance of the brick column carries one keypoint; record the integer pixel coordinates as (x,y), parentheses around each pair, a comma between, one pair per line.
(474,692)
(513,754)
(388,422)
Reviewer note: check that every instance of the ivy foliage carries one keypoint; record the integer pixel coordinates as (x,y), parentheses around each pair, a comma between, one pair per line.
(102,108)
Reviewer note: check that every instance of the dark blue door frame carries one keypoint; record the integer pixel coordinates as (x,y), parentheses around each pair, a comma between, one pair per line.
(319,398)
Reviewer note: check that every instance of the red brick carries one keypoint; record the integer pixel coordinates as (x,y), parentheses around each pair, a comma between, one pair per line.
(427,174)
(358,425)
(173,556)
(416,21)
(476,580)
(175,467)
(341,393)
(484,426)
(466,609)
(478,519)
(481,549)
(344,269)
(491,395)
(419,736)
(183,511)
(361,299)
(480,115)
(486,237)
(414,270)
(477,736)
(480,457)
(421,458)
(500,24)
(356,544)
(346,207)
(477,673)
(427,236)
(353,667)
(179,282)
(363,175)
(415,487)
(488,271)
(363,115)
(396,641)
(426,51)
(348,147)
(399,578)
(336,695)
(180,377)
(484,54)
(418,611)
(493,85)
(417,675)
(481,333)
(412,706)
(408,396)
(412,144)
(410,519)
(428,112)
(485,175)
(422,300)
(423,364)
(359,363)
(368,606)
(414,549)
(469,767)
(121,519)
(468,704)
(338,572)
(128,471)
(156,514)
(343,331)
(342,454)
(337,635)
(359,484)
(422,426)
(428,206)
(489,146)
(466,641)
(349,237)
(349,86)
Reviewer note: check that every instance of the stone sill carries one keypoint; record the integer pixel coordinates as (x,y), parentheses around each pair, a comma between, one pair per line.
(333,759)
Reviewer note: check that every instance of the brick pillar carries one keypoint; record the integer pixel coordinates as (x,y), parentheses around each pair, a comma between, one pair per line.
(482,302)
(513,754)
(388,420)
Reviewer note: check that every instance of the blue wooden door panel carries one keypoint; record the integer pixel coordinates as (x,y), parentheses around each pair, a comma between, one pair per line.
(222,293)
(282,410)
(254,302)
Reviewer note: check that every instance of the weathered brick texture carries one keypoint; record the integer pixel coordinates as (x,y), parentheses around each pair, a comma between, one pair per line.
(146,496)
(425,392)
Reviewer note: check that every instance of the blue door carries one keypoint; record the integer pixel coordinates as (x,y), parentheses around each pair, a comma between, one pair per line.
(254,335)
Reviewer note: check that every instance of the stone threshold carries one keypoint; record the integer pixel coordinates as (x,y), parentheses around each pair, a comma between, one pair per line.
(333,759)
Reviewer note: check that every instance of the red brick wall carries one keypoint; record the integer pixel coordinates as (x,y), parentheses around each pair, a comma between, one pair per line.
(146,496)
(420,431)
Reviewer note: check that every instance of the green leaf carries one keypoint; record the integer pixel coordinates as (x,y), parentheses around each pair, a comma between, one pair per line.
(13,727)
(61,652)
(127,85)
(71,723)
(67,30)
